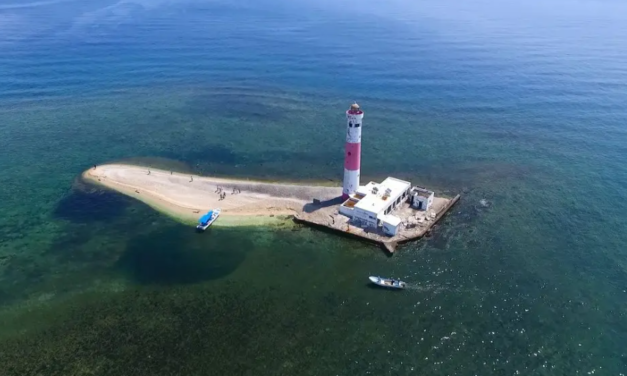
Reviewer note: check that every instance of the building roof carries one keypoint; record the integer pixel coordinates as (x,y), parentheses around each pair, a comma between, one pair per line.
(423,193)
(391,219)
(375,203)
(364,190)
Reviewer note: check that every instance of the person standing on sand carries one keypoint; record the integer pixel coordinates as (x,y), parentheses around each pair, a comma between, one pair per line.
(94,167)
(148,172)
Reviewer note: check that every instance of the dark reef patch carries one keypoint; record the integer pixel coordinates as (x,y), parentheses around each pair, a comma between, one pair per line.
(175,256)
(215,154)
(83,206)
(235,105)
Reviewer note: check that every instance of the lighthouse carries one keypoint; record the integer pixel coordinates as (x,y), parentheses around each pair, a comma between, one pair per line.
(354,117)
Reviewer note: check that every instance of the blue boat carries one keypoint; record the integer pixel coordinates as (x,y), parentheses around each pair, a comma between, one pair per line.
(207,219)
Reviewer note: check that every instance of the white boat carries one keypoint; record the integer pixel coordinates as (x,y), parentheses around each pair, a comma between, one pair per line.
(207,219)
(388,282)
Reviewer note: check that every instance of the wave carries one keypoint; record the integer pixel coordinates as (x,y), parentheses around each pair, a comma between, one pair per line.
(34,4)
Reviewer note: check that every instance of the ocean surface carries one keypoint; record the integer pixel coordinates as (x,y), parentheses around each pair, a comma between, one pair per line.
(519,106)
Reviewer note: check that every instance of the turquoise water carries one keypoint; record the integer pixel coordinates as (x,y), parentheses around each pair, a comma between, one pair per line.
(522,105)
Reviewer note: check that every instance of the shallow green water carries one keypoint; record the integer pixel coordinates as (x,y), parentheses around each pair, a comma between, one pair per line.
(120,287)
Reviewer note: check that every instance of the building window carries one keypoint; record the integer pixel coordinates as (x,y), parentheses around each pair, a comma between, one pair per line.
(357,125)
(350,125)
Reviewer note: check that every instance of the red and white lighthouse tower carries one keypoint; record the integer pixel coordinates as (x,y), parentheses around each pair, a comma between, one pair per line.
(354,117)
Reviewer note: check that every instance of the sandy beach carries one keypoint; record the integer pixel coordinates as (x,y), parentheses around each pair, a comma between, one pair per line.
(187,197)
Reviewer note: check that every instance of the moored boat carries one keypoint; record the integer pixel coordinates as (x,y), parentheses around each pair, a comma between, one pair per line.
(388,282)
(207,219)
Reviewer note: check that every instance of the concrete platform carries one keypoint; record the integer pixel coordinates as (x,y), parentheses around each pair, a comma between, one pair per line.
(415,223)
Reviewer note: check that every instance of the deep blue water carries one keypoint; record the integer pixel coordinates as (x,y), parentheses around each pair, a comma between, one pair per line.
(519,104)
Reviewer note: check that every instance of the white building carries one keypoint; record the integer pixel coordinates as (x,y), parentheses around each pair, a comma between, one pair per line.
(390,224)
(421,198)
(370,205)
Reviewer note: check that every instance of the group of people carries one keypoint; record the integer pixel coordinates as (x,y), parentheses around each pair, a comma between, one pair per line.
(219,190)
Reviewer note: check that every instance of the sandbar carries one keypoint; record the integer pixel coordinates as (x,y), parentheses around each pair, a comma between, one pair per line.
(187,197)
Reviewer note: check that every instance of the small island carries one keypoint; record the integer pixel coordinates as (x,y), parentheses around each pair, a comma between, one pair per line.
(388,213)
(188,197)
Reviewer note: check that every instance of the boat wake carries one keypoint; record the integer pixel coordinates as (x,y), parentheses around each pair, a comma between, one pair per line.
(427,288)
(437,289)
